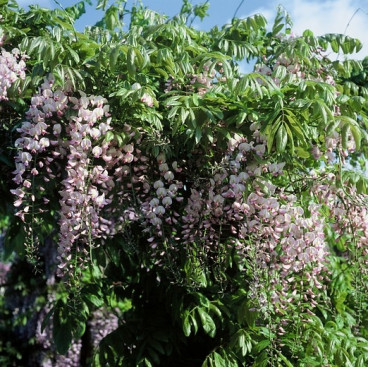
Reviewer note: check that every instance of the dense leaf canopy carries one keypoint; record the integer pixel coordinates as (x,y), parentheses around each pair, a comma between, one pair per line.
(161,208)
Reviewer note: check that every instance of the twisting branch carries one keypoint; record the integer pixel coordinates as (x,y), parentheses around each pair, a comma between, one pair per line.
(237,9)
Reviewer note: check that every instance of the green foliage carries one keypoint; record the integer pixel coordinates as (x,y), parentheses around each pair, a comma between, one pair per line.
(193,309)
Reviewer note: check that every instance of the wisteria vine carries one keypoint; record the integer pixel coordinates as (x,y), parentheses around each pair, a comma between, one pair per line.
(103,186)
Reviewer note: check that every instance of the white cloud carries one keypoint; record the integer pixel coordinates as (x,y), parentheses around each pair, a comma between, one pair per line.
(329,16)
(41,3)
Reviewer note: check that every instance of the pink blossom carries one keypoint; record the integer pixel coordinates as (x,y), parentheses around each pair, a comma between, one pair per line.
(86,144)
(147,99)
(97,151)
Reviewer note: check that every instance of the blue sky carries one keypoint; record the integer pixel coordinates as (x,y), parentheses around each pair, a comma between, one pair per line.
(321,16)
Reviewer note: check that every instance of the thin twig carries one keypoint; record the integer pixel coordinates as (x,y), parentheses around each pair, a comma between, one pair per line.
(349,22)
(356,11)
(194,17)
(237,9)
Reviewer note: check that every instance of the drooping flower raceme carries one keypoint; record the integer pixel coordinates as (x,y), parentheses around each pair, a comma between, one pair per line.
(103,187)
(68,150)
(283,240)
(12,67)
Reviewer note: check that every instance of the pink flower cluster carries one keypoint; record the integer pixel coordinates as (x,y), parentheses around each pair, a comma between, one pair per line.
(146,98)
(2,37)
(86,186)
(200,82)
(240,205)
(36,139)
(69,149)
(158,207)
(334,147)
(12,67)
(349,216)
(289,244)
(104,186)
(102,323)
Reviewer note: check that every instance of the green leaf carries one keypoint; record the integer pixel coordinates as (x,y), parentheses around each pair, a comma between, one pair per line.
(332,127)
(79,328)
(345,135)
(111,18)
(198,135)
(102,4)
(284,359)
(130,61)
(290,134)
(194,323)
(277,29)
(271,133)
(207,322)
(261,345)
(98,302)
(281,139)
(302,153)
(109,136)
(203,300)
(334,45)
(183,115)
(361,186)
(114,55)
(72,53)
(62,332)
(261,360)
(186,323)
(357,135)
(77,10)
(47,319)
(219,361)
